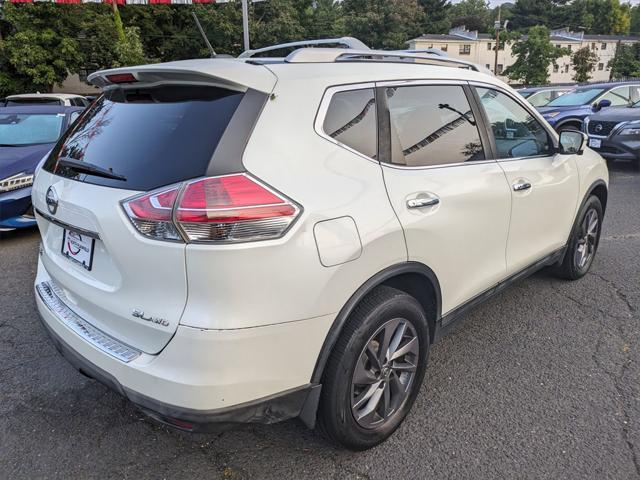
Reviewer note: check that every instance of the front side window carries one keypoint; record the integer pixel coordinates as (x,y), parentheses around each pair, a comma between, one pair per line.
(351,120)
(540,99)
(517,133)
(432,125)
(21,129)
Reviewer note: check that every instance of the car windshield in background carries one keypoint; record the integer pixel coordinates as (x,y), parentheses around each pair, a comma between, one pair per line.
(33,101)
(150,136)
(576,98)
(526,94)
(20,129)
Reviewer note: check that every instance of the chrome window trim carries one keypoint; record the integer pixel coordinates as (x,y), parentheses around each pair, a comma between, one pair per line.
(67,226)
(318,124)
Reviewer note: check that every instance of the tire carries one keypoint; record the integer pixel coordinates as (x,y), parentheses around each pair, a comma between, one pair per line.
(582,241)
(385,313)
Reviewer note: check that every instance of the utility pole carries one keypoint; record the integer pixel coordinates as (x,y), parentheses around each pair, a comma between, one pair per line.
(496,25)
(245,23)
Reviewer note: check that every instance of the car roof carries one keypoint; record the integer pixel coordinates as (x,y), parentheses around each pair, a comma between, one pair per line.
(61,96)
(40,109)
(605,85)
(263,74)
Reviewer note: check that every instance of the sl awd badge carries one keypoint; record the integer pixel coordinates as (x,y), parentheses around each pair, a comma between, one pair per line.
(157,320)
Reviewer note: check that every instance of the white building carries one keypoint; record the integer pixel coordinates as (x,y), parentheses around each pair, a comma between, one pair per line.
(480,48)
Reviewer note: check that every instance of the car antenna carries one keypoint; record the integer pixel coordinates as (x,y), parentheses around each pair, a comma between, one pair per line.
(204,36)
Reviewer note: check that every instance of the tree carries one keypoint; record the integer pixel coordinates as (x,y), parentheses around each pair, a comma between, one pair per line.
(474,14)
(383,23)
(42,49)
(534,55)
(626,62)
(129,49)
(436,15)
(584,62)
(529,13)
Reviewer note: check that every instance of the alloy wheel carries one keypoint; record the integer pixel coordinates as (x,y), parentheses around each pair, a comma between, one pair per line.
(586,243)
(383,375)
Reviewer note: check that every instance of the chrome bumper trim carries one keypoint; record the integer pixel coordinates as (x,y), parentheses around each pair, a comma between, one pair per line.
(51,297)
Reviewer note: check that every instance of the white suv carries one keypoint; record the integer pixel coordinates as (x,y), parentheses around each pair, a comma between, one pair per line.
(229,241)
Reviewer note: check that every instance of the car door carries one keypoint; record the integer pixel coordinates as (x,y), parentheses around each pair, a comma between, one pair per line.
(544,184)
(452,202)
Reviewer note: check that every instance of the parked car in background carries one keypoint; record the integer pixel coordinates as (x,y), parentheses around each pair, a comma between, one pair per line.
(27,134)
(568,111)
(64,99)
(615,133)
(540,96)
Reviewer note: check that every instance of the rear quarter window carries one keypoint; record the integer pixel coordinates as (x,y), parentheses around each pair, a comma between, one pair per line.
(151,136)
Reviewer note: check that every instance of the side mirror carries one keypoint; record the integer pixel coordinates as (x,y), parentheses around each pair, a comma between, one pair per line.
(604,103)
(572,142)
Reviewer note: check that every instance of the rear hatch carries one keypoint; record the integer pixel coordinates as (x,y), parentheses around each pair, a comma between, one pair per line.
(135,138)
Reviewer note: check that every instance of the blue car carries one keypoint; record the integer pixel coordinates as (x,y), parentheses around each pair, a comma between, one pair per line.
(27,134)
(568,111)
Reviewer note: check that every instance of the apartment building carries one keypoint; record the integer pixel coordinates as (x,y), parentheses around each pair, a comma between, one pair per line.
(480,48)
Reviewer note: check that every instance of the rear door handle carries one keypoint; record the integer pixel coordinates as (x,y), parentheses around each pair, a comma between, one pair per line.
(422,202)
(521,186)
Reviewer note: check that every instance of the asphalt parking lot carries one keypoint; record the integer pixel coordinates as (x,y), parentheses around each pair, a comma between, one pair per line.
(542,381)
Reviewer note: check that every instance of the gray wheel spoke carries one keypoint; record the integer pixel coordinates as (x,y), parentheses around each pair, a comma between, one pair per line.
(386,402)
(396,339)
(410,347)
(366,395)
(387,335)
(371,355)
(403,367)
(371,403)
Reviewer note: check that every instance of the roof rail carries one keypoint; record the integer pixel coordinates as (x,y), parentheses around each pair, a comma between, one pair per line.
(344,42)
(329,55)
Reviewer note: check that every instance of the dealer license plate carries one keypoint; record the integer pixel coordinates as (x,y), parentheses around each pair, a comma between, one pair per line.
(78,248)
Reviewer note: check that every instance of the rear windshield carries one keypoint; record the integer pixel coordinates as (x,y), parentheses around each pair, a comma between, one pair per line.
(152,137)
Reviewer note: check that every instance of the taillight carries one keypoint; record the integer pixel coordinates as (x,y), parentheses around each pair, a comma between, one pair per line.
(230,208)
(152,214)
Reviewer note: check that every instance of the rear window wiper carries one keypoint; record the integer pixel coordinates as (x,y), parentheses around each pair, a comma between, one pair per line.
(88,168)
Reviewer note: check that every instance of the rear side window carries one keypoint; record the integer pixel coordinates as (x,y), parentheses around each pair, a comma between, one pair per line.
(153,137)
(351,120)
(432,125)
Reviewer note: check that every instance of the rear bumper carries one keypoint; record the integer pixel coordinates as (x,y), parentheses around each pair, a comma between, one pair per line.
(297,402)
(16,210)
(203,379)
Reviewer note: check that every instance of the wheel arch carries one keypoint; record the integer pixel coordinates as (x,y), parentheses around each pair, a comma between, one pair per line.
(570,121)
(414,278)
(600,190)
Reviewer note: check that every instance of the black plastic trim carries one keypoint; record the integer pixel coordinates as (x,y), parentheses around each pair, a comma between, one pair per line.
(227,157)
(271,409)
(343,315)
